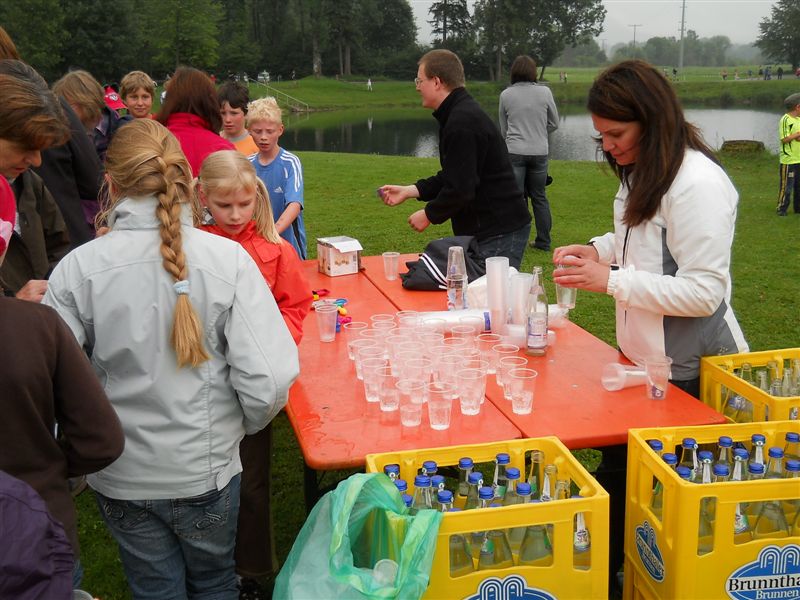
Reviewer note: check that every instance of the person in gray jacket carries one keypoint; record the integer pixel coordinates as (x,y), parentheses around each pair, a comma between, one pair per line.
(527,115)
(193,354)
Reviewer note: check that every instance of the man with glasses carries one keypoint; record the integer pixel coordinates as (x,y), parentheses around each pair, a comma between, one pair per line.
(475,187)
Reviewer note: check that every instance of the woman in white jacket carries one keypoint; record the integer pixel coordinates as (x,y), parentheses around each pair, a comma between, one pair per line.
(192,351)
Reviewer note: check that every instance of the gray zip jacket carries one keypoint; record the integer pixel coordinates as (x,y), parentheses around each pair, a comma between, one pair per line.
(182,426)
(527,114)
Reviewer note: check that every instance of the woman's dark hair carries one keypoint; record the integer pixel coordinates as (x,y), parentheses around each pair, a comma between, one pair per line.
(635,91)
(523,69)
(191,91)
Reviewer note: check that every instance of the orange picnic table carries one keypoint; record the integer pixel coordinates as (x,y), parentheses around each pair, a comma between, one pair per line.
(570,402)
(334,424)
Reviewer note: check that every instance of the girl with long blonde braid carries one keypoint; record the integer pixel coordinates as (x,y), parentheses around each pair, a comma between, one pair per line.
(189,345)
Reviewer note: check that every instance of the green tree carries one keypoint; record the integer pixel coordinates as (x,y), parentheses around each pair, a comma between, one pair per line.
(449,20)
(588,54)
(780,36)
(503,31)
(37,28)
(238,50)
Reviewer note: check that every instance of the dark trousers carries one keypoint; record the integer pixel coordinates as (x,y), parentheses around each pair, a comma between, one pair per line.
(255,545)
(789,186)
(531,175)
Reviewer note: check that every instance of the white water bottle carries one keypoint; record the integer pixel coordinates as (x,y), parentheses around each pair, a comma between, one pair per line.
(537,316)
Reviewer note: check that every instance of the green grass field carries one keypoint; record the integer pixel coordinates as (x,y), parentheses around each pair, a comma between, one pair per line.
(340,199)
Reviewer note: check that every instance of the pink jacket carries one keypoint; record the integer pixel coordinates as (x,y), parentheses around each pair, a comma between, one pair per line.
(197,140)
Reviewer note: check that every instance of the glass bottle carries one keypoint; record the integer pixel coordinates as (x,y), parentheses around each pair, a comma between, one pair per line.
(408,500)
(791,451)
(562,489)
(500,482)
(460,555)
(581,543)
(741,523)
(656,445)
(537,315)
(429,467)
(657,499)
(771,521)
(392,471)
(738,408)
(444,499)
(757,453)
(705,531)
(465,466)
(517,534)
(792,471)
(422,493)
(689,455)
(496,551)
(535,474)
(725,447)
(755,472)
(549,483)
(475,481)
(536,549)
(456,279)
(706,460)
(437,484)
(684,473)
(511,497)
(401,485)
(775,464)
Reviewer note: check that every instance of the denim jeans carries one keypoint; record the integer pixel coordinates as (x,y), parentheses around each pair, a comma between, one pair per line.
(510,244)
(531,175)
(179,548)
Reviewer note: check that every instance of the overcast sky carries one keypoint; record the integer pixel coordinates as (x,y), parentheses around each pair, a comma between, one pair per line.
(738,19)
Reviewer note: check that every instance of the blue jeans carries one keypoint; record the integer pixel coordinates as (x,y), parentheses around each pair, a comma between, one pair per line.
(531,175)
(511,245)
(179,548)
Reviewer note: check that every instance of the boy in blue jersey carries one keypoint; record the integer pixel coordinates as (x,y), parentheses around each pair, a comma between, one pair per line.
(280,171)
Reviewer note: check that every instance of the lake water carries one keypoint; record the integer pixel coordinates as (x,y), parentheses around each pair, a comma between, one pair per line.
(414,132)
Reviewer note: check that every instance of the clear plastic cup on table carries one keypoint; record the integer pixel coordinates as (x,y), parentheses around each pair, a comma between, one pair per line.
(440,404)
(455,344)
(391,263)
(416,369)
(364,352)
(388,394)
(504,366)
(411,399)
(351,331)
(431,324)
(381,317)
(407,319)
(464,332)
(371,369)
(326,321)
(485,343)
(477,323)
(376,335)
(658,369)
(448,365)
(471,386)
(482,366)
(565,296)
(356,345)
(498,352)
(522,384)
(616,376)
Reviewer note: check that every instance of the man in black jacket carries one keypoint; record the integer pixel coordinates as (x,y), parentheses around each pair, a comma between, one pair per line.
(475,188)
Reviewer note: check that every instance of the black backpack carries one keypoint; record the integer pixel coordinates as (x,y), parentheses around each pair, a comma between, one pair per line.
(429,272)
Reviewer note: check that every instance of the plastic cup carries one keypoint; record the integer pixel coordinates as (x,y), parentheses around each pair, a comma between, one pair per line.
(381,317)
(326,321)
(485,343)
(498,352)
(440,405)
(522,384)
(471,384)
(658,370)
(351,331)
(390,263)
(411,391)
(371,369)
(364,352)
(388,394)
(477,323)
(504,366)
(410,415)
(565,296)
(616,376)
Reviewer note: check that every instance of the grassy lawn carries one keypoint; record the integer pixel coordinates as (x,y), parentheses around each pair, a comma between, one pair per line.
(340,199)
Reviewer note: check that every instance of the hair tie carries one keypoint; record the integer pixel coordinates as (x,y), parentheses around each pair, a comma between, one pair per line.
(181,287)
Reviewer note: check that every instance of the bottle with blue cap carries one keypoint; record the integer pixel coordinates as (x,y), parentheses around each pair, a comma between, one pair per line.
(689,455)
(465,466)
(437,484)
(444,498)
(536,549)
(522,491)
(408,499)
(704,473)
(755,472)
(705,531)
(500,481)
(460,555)
(477,537)
(581,542)
(738,408)
(657,499)
(757,452)
(495,552)
(775,464)
(401,485)
(771,521)
(475,481)
(535,474)
(684,473)
(791,451)
(741,523)
(392,471)
(724,450)
(422,493)
(429,467)
(792,506)
(656,445)
(511,497)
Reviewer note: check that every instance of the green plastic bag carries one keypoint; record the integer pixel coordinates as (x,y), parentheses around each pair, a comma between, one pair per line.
(352,527)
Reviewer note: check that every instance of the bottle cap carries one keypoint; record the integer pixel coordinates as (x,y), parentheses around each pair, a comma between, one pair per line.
(389,469)
(512,473)
(524,489)
(776,452)
(725,441)
(757,437)
(503,458)
(401,484)
(791,465)
(445,496)
(689,443)
(705,455)
(437,481)
(670,458)
(408,500)
(486,493)
(465,463)
(683,472)
(656,445)
(741,453)
(755,468)
(422,481)
(792,437)
(429,466)
(475,477)
(721,470)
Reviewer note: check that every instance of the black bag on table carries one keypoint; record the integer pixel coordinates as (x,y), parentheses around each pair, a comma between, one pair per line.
(429,272)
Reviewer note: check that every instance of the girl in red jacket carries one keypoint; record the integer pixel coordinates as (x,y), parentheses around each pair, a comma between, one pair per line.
(231,201)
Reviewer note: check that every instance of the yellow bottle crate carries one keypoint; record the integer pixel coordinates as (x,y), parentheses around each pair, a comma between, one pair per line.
(557,580)
(661,550)
(718,381)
